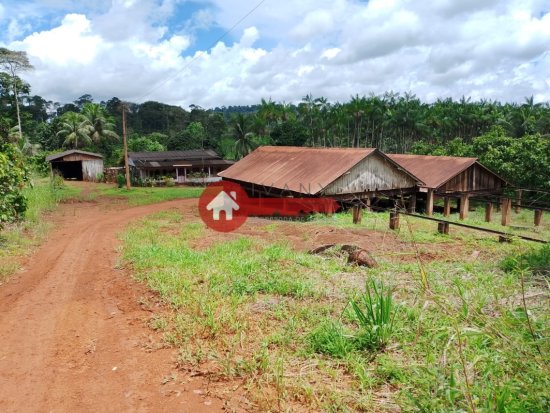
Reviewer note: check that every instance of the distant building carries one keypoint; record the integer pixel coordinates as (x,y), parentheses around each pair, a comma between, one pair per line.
(345,174)
(77,165)
(193,166)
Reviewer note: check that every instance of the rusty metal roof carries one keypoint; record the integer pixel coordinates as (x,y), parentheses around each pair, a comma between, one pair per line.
(193,154)
(55,156)
(433,170)
(295,168)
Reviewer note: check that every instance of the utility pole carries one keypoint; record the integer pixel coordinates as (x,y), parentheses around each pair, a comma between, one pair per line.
(125,142)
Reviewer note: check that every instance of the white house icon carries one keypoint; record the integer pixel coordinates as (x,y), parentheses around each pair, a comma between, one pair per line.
(223,202)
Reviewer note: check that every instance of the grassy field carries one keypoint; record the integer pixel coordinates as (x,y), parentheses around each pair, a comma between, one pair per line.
(19,238)
(144,196)
(283,330)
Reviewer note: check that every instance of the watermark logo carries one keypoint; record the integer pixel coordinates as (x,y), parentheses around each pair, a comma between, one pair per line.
(224,206)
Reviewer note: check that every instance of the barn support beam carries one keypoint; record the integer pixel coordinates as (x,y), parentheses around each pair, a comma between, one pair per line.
(518,200)
(430,202)
(464,206)
(394,220)
(368,202)
(538,217)
(443,227)
(505,210)
(446,206)
(356,214)
(411,207)
(488,212)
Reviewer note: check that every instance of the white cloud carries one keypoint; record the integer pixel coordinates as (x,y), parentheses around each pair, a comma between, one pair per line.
(334,48)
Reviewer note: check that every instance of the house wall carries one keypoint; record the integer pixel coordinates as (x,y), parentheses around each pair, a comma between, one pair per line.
(475,178)
(374,173)
(91,169)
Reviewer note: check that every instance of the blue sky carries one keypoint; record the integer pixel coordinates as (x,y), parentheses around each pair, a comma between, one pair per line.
(165,50)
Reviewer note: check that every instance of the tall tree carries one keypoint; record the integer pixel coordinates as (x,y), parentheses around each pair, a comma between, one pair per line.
(14,62)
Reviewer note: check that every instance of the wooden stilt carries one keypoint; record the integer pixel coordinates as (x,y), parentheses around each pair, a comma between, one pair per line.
(412,204)
(518,200)
(447,206)
(430,202)
(464,206)
(538,217)
(505,210)
(356,213)
(489,212)
(443,227)
(368,202)
(394,220)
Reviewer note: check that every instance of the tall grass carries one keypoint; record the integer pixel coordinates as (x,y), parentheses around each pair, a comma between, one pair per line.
(375,313)
(17,239)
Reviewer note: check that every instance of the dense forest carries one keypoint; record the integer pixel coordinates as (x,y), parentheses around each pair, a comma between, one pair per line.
(511,138)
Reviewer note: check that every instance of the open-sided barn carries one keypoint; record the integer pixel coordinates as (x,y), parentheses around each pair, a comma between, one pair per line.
(450,176)
(184,166)
(75,164)
(342,173)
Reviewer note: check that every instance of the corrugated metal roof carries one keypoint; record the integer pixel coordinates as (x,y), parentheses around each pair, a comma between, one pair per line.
(197,163)
(295,168)
(174,155)
(434,171)
(55,156)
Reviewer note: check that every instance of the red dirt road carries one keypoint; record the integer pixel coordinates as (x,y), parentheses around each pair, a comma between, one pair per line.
(72,332)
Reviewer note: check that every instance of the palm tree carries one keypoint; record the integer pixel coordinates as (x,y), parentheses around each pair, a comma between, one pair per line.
(99,125)
(244,143)
(75,130)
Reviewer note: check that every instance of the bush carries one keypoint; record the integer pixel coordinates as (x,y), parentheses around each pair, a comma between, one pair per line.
(120,180)
(13,176)
(39,164)
(537,260)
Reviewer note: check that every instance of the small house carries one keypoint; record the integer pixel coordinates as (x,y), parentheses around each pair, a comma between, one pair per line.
(192,166)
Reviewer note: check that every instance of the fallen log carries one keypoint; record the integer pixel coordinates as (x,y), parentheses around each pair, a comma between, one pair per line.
(356,255)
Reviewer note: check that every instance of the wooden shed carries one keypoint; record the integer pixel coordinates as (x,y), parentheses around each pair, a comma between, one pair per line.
(451,177)
(341,173)
(76,164)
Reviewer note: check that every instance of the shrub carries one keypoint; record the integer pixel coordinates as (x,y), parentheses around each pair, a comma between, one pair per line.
(536,260)
(374,312)
(13,176)
(120,180)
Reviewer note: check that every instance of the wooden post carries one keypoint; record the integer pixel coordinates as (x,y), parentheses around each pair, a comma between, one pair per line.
(412,204)
(394,220)
(356,213)
(368,202)
(125,142)
(464,206)
(430,202)
(489,212)
(446,206)
(506,209)
(443,227)
(518,200)
(538,217)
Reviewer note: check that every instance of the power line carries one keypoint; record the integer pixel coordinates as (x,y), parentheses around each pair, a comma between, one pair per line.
(209,47)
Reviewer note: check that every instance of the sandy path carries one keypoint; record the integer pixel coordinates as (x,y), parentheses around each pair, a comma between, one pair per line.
(72,333)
